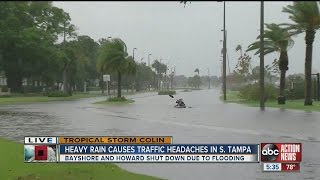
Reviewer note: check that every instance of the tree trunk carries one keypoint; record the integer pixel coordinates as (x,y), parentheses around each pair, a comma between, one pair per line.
(14,81)
(308,67)
(282,82)
(64,75)
(283,67)
(119,84)
(102,86)
(69,89)
(108,88)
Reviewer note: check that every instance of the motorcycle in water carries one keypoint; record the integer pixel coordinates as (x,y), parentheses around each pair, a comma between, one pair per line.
(180,104)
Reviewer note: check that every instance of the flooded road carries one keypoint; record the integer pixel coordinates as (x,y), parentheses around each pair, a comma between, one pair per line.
(208,121)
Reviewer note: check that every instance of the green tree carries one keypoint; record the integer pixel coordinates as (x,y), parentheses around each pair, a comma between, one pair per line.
(28,31)
(279,40)
(197,80)
(144,76)
(159,68)
(112,57)
(131,69)
(68,31)
(69,57)
(194,81)
(90,49)
(244,64)
(295,86)
(267,73)
(306,18)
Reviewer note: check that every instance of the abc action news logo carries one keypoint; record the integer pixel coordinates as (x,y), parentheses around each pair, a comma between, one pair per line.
(281,152)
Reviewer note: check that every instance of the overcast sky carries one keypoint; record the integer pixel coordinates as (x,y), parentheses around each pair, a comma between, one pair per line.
(189,37)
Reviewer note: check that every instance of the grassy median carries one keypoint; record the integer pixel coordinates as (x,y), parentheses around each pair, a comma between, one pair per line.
(115,101)
(232,97)
(25,99)
(13,168)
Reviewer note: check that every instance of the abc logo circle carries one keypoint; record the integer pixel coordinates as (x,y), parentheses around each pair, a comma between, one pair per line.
(269,152)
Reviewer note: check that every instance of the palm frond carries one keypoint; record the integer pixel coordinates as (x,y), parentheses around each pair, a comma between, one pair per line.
(112,55)
(305,15)
(238,48)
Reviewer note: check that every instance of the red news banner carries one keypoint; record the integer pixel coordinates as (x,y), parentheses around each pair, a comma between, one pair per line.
(285,155)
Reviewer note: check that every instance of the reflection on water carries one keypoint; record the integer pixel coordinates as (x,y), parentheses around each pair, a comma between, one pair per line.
(16,124)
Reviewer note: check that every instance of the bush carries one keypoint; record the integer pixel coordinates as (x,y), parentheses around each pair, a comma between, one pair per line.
(94,88)
(57,94)
(166,92)
(251,92)
(4,96)
(4,88)
(234,87)
(117,99)
(32,89)
(296,93)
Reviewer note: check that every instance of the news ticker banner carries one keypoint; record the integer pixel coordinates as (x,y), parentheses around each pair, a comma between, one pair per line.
(284,157)
(281,157)
(100,140)
(133,149)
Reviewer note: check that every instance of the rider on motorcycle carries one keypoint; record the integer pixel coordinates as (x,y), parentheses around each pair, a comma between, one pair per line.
(180,103)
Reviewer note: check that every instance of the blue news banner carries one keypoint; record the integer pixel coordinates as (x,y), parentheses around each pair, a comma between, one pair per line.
(159,153)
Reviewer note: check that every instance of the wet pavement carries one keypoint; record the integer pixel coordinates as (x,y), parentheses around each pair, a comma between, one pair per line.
(207,121)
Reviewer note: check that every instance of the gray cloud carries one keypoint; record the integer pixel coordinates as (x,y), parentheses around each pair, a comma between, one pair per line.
(187,37)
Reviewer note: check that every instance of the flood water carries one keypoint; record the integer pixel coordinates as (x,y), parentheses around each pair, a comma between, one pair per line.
(207,121)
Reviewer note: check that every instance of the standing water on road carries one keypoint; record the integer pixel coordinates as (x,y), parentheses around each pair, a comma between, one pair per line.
(209,121)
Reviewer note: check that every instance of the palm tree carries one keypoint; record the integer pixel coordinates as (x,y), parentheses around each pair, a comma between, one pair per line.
(306,18)
(197,71)
(277,39)
(156,65)
(239,48)
(131,66)
(112,57)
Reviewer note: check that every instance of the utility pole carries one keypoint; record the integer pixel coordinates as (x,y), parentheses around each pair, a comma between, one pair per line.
(64,75)
(317,87)
(262,96)
(224,54)
(108,82)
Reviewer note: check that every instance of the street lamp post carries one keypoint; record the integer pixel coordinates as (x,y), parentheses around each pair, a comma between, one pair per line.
(262,97)
(108,82)
(133,52)
(174,74)
(167,68)
(208,77)
(159,73)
